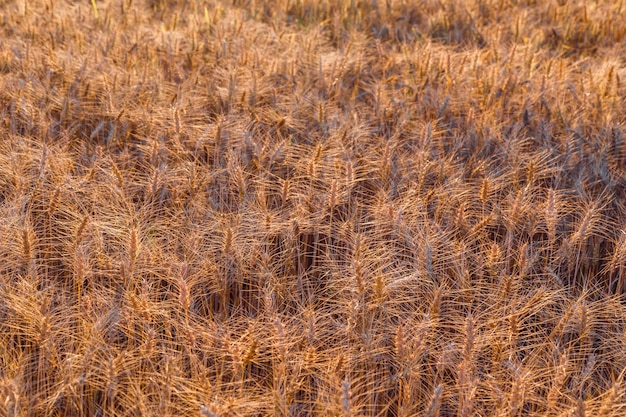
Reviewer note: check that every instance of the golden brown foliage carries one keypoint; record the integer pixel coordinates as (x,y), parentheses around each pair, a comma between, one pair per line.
(299,207)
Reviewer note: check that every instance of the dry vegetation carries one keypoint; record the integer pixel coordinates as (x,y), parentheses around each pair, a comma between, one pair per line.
(301,207)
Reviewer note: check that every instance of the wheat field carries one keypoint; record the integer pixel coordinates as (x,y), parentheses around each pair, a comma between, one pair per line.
(312,208)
